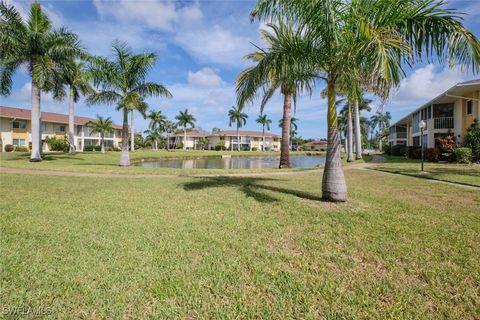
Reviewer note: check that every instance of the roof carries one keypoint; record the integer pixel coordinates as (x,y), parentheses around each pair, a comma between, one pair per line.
(245,133)
(193,133)
(457,91)
(26,114)
(316,142)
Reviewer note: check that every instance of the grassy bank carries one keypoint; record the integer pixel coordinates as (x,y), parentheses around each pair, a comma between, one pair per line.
(225,248)
(450,172)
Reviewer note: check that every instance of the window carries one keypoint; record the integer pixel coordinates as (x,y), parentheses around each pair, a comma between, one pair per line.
(59,127)
(18,142)
(19,125)
(469,107)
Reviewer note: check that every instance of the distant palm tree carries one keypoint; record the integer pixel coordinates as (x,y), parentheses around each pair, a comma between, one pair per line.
(102,126)
(265,122)
(157,119)
(183,120)
(169,128)
(293,129)
(33,44)
(279,66)
(74,77)
(153,137)
(123,82)
(382,121)
(235,115)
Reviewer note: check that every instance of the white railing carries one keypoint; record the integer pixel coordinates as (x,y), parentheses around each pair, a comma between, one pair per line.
(443,123)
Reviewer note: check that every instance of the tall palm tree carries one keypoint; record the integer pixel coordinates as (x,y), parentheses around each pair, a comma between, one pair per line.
(33,44)
(362,104)
(376,39)
(153,136)
(102,126)
(169,128)
(157,119)
(122,82)
(382,121)
(183,120)
(277,67)
(235,115)
(265,122)
(74,77)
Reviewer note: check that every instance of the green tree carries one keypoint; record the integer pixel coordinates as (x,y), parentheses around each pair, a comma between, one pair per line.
(278,66)
(73,77)
(36,45)
(235,115)
(183,120)
(265,122)
(122,82)
(102,126)
(169,128)
(157,120)
(153,137)
(371,41)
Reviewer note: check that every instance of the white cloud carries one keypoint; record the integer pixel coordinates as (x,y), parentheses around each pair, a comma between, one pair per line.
(205,77)
(23,7)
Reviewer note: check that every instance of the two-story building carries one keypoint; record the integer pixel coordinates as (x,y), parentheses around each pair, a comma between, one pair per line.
(15,129)
(452,112)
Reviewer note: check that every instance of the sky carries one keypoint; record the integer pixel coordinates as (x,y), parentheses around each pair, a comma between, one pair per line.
(200,46)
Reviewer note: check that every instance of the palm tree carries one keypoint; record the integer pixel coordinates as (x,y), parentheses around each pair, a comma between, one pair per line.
(183,120)
(277,67)
(240,118)
(293,129)
(157,119)
(33,44)
(74,77)
(358,107)
(122,82)
(169,128)
(351,37)
(102,125)
(382,121)
(265,122)
(153,136)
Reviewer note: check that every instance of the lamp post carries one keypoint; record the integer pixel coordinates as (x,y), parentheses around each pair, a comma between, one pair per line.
(422,126)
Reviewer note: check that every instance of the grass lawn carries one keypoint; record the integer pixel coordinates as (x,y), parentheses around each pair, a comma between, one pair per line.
(239,248)
(458,173)
(108,162)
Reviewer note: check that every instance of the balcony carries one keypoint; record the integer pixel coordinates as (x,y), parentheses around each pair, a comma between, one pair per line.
(401,135)
(443,123)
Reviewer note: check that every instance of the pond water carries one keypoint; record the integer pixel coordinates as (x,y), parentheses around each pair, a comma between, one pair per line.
(245,162)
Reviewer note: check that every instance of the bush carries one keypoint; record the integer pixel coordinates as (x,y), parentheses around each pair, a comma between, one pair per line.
(432,154)
(414,152)
(89,147)
(462,155)
(398,150)
(472,141)
(98,148)
(387,150)
(9,148)
(55,144)
(21,149)
(254,149)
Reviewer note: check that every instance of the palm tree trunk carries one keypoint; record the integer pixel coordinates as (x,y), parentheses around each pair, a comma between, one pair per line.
(358,133)
(238,138)
(103,142)
(263,138)
(334,187)
(36,155)
(132,133)
(185,138)
(285,147)
(349,131)
(71,123)
(125,156)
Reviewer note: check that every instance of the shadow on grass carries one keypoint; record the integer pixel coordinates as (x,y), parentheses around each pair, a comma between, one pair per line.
(250,186)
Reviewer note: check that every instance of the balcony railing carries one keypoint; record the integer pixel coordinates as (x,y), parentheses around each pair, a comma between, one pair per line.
(401,135)
(443,123)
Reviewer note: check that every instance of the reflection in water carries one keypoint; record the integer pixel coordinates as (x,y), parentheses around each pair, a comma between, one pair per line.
(300,161)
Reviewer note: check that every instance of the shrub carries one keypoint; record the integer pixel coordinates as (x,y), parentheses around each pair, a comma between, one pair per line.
(98,148)
(89,147)
(432,154)
(21,149)
(254,149)
(9,148)
(387,150)
(57,144)
(462,154)
(413,152)
(472,141)
(398,150)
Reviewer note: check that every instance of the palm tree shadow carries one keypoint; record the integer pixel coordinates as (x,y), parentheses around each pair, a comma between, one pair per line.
(250,186)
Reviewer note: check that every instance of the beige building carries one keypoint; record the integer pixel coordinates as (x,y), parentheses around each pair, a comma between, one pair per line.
(452,112)
(15,129)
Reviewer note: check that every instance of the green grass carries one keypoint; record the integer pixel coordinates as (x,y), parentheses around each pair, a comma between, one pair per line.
(239,248)
(108,163)
(450,172)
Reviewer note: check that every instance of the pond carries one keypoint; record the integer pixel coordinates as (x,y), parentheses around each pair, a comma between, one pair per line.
(235,162)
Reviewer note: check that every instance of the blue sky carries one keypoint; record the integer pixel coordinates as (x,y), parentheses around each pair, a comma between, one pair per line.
(200,45)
